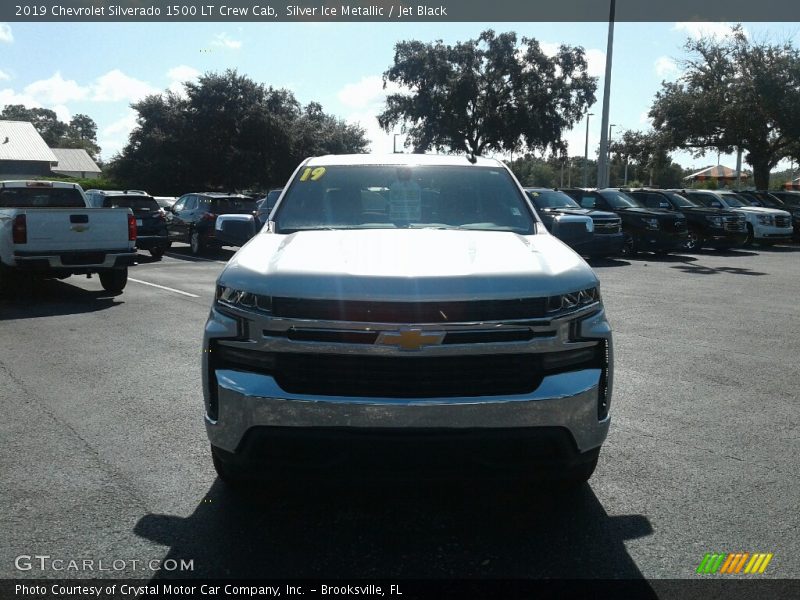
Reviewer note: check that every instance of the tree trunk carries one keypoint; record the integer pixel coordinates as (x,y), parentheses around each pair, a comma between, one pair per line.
(761,171)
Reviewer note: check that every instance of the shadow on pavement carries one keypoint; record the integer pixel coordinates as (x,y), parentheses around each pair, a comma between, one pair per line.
(182,252)
(701,270)
(779,249)
(393,530)
(662,258)
(606,261)
(50,298)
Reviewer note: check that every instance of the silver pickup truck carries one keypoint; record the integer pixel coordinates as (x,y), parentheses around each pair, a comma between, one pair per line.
(406,312)
(47,230)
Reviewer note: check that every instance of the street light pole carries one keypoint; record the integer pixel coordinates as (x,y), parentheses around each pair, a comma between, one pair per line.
(586,154)
(602,165)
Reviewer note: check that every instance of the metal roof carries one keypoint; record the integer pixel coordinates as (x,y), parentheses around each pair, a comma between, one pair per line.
(400,159)
(19,140)
(74,160)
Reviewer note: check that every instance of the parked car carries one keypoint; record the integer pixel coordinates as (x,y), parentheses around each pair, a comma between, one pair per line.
(437,326)
(776,200)
(588,232)
(646,229)
(237,229)
(764,225)
(714,227)
(151,223)
(94,197)
(192,218)
(48,231)
(165,202)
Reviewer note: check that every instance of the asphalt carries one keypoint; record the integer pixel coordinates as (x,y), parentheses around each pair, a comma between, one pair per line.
(104,455)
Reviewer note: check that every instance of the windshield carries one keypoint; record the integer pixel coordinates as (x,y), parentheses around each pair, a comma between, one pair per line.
(41,197)
(390,197)
(229,205)
(551,199)
(681,201)
(619,200)
(135,203)
(267,203)
(734,200)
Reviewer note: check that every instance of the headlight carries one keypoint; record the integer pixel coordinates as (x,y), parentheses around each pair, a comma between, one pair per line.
(715,221)
(650,223)
(228,296)
(574,300)
(766,219)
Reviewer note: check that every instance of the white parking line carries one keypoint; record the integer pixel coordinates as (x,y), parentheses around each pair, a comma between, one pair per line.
(163,287)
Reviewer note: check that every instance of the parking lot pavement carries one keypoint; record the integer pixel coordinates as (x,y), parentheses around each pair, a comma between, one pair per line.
(105,456)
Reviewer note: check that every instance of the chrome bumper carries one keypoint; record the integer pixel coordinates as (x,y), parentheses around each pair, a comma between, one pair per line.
(566,400)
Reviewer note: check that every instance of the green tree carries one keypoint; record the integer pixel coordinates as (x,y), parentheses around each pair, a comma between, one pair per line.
(647,157)
(44,120)
(486,94)
(80,132)
(734,93)
(230,133)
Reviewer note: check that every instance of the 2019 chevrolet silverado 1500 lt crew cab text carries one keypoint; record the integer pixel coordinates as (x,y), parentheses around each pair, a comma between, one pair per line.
(407,303)
(47,230)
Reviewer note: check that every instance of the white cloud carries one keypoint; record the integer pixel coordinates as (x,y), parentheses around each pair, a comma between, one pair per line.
(596,61)
(5,33)
(701,29)
(4,75)
(114,136)
(56,90)
(368,92)
(222,40)
(9,96)
(115,86)
(666,67)
(180,75)
(62,112)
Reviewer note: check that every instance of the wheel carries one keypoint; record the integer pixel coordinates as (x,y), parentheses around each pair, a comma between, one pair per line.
(695,241)
(157,252)
(748,241)
(577,476)
(232,475)
(196,243)
(115,280)
(629,247)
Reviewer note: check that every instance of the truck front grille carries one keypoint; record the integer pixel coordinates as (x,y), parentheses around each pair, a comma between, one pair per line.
(572,231)
(782,221)
(607,226)
(734,224)
(407,377)
(409,312)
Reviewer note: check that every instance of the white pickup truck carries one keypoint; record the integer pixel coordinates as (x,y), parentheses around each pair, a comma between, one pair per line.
(48,231)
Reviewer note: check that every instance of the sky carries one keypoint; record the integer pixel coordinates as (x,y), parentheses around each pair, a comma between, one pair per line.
(99,69)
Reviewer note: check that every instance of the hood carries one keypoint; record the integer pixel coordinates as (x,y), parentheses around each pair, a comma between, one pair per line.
(584,212)
(407,265)
(760,210)
(706,210)
(650,212)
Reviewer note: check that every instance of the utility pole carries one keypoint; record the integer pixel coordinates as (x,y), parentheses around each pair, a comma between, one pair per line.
(738,168)
(586,154)
(602,165)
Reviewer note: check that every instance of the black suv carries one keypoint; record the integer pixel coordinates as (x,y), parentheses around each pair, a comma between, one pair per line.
(557,211)
(151,224)
(715,227)
(646,229)
(191,219)
(788,201)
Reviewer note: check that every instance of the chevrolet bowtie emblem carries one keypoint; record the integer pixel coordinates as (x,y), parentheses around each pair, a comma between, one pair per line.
(410,339)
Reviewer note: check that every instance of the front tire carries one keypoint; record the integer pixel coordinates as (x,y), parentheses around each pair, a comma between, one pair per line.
(695,241)
(748,241)
(629,247)
(231,475)
(157,252)
(115,280)
(196,243)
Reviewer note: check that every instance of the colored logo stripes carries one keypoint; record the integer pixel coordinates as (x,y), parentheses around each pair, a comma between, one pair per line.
(734,563)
